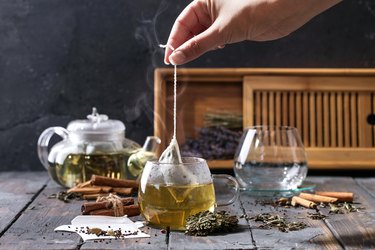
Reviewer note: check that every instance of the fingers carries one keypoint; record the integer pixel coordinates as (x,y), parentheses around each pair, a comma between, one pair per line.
(193,20)
(196,46)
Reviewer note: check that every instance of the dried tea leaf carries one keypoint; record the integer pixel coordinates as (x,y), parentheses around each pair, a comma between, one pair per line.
(316,216)
(64,196)
(269,220)
(206,222)
(96,231)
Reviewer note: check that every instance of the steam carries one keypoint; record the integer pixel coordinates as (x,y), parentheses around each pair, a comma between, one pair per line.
(146,36)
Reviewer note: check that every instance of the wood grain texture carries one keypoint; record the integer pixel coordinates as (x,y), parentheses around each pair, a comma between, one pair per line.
(17,190)
(368,184)
(271,108)
(239,239)
(305,115)
(248,110)
(299,113)
(278,107)
(365,129)
(265,108)
(340,120)
(333,119)
(347,125)
(353,230)
(312,120)
(258,109)
(316,236)
(326,113)
(329,106)
(34,228)
(354,121)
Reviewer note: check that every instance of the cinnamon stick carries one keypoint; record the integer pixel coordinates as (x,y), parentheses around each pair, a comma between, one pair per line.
(90,190)
(131,210)
(90,196)
(300,201)
(84,184)
(341,196)
(91,206)
(123,191)
(106,181)
(317,198)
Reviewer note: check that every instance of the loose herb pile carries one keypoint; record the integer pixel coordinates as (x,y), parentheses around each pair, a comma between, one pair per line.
(273,220)
(206,222)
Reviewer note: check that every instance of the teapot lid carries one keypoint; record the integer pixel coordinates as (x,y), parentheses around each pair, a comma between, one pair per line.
(96,124)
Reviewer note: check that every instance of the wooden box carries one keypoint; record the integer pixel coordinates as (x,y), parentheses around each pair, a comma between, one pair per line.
(332,108)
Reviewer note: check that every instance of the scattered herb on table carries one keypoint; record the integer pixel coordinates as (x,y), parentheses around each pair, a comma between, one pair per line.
(342,208)
(269,221)
(316,216)
(206,222)
(109,232)
(65,197)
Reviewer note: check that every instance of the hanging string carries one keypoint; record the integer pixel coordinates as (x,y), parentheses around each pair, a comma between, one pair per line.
(174,93)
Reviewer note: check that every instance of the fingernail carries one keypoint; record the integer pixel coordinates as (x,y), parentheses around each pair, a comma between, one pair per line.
(177,57)
(166,63)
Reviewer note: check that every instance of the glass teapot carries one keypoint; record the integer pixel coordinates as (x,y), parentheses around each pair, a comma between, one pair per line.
(97,146)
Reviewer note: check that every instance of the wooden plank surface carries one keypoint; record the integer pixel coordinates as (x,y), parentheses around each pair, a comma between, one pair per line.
(33,228)
(17,190)
(353,230)
(316,236)
(239,239)
(368,184)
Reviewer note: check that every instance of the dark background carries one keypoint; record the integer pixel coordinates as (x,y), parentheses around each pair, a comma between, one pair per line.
(59,58)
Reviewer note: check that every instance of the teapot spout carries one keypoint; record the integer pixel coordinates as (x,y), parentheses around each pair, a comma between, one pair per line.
(151,143)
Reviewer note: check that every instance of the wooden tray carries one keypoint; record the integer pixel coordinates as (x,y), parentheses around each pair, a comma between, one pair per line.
(331,108)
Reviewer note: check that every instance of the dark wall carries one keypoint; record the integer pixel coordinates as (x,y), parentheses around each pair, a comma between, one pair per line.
(59,58)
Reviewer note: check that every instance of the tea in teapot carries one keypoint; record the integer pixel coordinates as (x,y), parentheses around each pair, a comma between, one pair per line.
(93,146)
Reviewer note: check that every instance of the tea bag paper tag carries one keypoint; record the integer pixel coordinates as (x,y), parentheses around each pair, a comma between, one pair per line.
(80,223)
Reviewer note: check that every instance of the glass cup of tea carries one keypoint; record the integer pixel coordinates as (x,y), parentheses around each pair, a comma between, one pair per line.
(169,193)
(270,158)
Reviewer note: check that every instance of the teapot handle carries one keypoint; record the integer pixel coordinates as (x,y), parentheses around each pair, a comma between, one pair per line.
(43,142)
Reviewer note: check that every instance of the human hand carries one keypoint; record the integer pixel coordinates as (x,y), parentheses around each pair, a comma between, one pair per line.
(206,25)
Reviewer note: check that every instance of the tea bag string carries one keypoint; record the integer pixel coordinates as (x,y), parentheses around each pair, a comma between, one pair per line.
(116,203)
(174,93)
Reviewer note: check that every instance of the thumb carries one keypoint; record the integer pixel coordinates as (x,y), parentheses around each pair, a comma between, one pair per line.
(197,46)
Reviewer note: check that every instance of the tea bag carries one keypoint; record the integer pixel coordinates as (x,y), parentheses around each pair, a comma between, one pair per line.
(174,171)
(171,154)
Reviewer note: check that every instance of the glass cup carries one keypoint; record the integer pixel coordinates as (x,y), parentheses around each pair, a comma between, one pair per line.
(169,193)
(270,158)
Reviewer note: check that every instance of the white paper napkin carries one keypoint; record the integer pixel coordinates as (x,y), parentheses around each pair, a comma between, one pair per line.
(80,223)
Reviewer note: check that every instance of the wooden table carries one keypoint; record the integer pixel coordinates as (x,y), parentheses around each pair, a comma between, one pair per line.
(28,218)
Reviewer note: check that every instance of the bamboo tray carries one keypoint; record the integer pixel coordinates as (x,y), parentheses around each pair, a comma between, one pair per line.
(332,108)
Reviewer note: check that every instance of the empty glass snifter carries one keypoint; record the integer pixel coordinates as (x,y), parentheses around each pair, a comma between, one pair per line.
(270,158)
(170,193)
